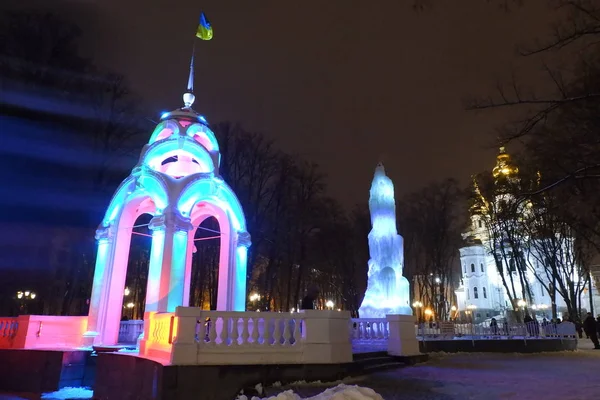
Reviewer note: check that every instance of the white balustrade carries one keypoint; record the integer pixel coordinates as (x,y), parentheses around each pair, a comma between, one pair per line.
(8,331)
(129,331)
(369,329)
(499,330)
(229,337)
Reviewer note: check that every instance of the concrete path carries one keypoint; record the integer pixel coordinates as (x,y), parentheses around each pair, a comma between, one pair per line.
(486,376)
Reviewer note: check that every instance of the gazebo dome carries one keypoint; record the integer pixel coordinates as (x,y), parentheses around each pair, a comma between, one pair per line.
(185,113)
(182,144)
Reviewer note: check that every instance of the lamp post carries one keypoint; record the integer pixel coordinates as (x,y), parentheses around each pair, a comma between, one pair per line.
(471,308)
(418,305)
(254,297)
(24,296)
(329,304)
(522,304)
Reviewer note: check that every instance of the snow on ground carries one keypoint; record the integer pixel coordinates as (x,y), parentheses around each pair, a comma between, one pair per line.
(340,392)
(69,393)
(489,376)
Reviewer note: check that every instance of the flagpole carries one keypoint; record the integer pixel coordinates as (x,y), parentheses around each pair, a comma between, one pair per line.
(188,97)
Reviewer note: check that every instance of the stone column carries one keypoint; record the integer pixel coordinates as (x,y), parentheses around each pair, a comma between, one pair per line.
(241,265)
(100,289)
(166,274)
(403,338)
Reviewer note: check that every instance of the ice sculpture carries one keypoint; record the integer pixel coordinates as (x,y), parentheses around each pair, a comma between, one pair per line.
(387,290)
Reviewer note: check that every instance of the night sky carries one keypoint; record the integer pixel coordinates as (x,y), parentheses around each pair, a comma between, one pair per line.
(343,83)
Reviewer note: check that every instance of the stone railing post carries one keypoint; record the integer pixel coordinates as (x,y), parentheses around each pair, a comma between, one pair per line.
(146,332)
(326,337)
(402,340)
(185,348)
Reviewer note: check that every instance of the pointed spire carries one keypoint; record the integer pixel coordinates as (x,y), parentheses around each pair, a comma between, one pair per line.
(188,96)
(380,169)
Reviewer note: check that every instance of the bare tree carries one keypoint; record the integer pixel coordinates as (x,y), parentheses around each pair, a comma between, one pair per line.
(556,258)
(501,213)
(430,223)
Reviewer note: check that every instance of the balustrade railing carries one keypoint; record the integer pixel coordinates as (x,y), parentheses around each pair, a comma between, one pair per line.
(371,329)
(497,330)
(249,329)
(229,337)
(159,331)
(130,331)
(8,331)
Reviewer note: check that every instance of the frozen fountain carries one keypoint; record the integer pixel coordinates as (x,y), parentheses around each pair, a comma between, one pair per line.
(387,290)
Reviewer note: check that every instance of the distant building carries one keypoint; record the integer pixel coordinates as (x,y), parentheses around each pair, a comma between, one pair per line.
(481,294)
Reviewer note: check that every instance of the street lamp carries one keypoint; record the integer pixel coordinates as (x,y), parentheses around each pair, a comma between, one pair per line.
(254,297)
(453,312)
(127,291)
(417,305)
(471,308)
(24,296)
(329,304)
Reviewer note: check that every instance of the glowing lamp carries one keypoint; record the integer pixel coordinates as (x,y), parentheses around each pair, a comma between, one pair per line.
(254,297)
(32,296)
(130,305)
(127,292)
(19,295)
(329,304)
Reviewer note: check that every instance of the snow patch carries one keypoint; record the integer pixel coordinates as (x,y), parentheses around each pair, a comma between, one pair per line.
(340,392)
(128,350)
(69,393)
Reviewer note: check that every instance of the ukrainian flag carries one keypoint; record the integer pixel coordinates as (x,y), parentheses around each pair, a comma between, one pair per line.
(204,30)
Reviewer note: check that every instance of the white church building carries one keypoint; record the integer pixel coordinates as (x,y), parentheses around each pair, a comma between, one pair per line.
(481,293)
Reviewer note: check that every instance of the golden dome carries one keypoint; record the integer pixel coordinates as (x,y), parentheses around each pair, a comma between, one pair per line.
(504,167)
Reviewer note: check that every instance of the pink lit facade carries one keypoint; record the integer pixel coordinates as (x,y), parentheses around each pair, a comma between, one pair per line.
(177,181)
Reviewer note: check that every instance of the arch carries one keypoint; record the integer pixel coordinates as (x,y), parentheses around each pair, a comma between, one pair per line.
(475,294)
(205,246)
(146,185)
(472,267)
(203,135)
(158,152)
(198,201)
(106,301)
(164,130)
(216,192)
